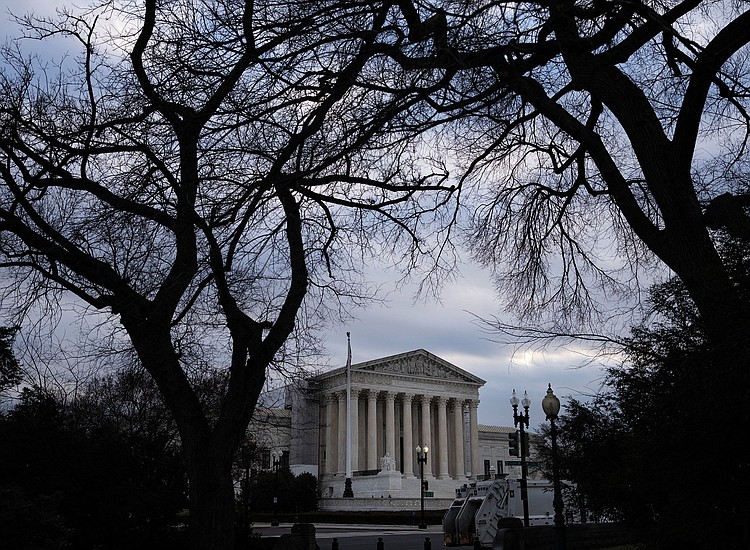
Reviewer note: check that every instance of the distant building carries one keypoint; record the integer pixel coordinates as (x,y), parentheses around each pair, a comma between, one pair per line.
(396,403)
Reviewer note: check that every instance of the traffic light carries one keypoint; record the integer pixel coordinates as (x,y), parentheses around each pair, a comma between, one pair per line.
(513,444)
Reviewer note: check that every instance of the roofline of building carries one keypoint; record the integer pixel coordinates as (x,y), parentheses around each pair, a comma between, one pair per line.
(390,358)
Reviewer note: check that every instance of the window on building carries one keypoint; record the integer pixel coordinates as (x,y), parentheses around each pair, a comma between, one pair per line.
(265,459)
(284,460)
(487,469)
(500,468)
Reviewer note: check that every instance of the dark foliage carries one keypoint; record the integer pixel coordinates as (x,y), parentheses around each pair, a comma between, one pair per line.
(292,493)
(305,491)
(30,521)
(70,481)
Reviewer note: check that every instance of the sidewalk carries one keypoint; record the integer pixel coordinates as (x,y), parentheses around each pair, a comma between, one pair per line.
(328,530)
(350,526)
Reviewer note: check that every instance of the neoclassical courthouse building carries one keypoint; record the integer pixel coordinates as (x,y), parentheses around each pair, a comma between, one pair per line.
(396,404)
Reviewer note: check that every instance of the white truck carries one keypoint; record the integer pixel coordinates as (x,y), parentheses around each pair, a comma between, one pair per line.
(482,508)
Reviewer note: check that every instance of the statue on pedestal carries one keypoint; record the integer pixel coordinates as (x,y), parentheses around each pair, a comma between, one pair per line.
(387,463)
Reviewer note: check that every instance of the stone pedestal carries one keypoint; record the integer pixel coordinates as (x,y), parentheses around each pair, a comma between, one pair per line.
(388,482)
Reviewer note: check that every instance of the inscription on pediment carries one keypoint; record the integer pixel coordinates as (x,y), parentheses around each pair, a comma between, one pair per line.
(416,366)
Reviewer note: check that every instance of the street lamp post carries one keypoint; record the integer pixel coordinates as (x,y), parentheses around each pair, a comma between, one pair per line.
(521,421)
(422,460)
(551,407)
(276,463)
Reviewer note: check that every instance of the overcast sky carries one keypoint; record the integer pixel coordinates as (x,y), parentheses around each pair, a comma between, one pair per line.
(448,329)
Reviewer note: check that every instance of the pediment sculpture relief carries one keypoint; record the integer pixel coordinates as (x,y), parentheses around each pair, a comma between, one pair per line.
(417,366)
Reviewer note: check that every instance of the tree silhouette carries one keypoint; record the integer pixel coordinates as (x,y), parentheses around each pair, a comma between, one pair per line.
(213,174)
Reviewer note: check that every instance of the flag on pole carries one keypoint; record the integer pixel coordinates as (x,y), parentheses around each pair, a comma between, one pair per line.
(348,356)
(348,492)
(348,406)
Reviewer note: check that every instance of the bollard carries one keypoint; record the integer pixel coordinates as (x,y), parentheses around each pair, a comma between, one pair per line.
(427,544)
(380,543)
(335,544)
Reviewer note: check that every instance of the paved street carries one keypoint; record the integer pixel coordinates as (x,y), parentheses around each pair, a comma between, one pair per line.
(365,537)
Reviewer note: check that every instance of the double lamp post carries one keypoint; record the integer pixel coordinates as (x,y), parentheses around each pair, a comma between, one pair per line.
(521,421)
(551,408)
(276,457)
(422,460)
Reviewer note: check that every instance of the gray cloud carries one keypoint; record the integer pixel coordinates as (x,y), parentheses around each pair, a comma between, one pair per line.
(448,329)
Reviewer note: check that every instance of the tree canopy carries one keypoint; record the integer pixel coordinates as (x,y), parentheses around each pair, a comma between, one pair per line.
(598,138)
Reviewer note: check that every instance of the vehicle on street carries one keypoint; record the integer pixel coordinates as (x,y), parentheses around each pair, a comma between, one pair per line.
(482,509)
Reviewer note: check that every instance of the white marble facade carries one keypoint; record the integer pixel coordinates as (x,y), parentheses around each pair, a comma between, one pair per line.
(397,403)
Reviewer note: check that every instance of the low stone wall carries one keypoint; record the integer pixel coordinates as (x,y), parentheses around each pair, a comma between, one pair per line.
(383,504)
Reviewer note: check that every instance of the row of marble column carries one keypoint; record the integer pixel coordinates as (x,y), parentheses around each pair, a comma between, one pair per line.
(414,432)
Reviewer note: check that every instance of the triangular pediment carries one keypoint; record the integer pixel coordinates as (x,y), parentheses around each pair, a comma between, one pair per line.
(418,364)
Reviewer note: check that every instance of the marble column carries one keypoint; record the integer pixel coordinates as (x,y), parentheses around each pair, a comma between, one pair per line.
(458,432)
(342,434)
(331,451)
(476,466)
(442,446)
(390,424)
(372,430)
(426,439)
(354,420)
(408,439)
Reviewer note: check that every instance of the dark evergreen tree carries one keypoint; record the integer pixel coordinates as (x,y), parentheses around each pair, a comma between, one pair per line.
(81,477)
(305,492)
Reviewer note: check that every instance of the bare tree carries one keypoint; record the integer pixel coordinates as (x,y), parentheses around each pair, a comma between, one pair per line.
(211,173)
(598,135)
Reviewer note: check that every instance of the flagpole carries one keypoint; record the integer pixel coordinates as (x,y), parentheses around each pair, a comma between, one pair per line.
(348,493)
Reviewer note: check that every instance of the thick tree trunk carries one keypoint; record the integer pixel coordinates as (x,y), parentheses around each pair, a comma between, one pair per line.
(723,309)
(212,500)
(717,409)
(208,457)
